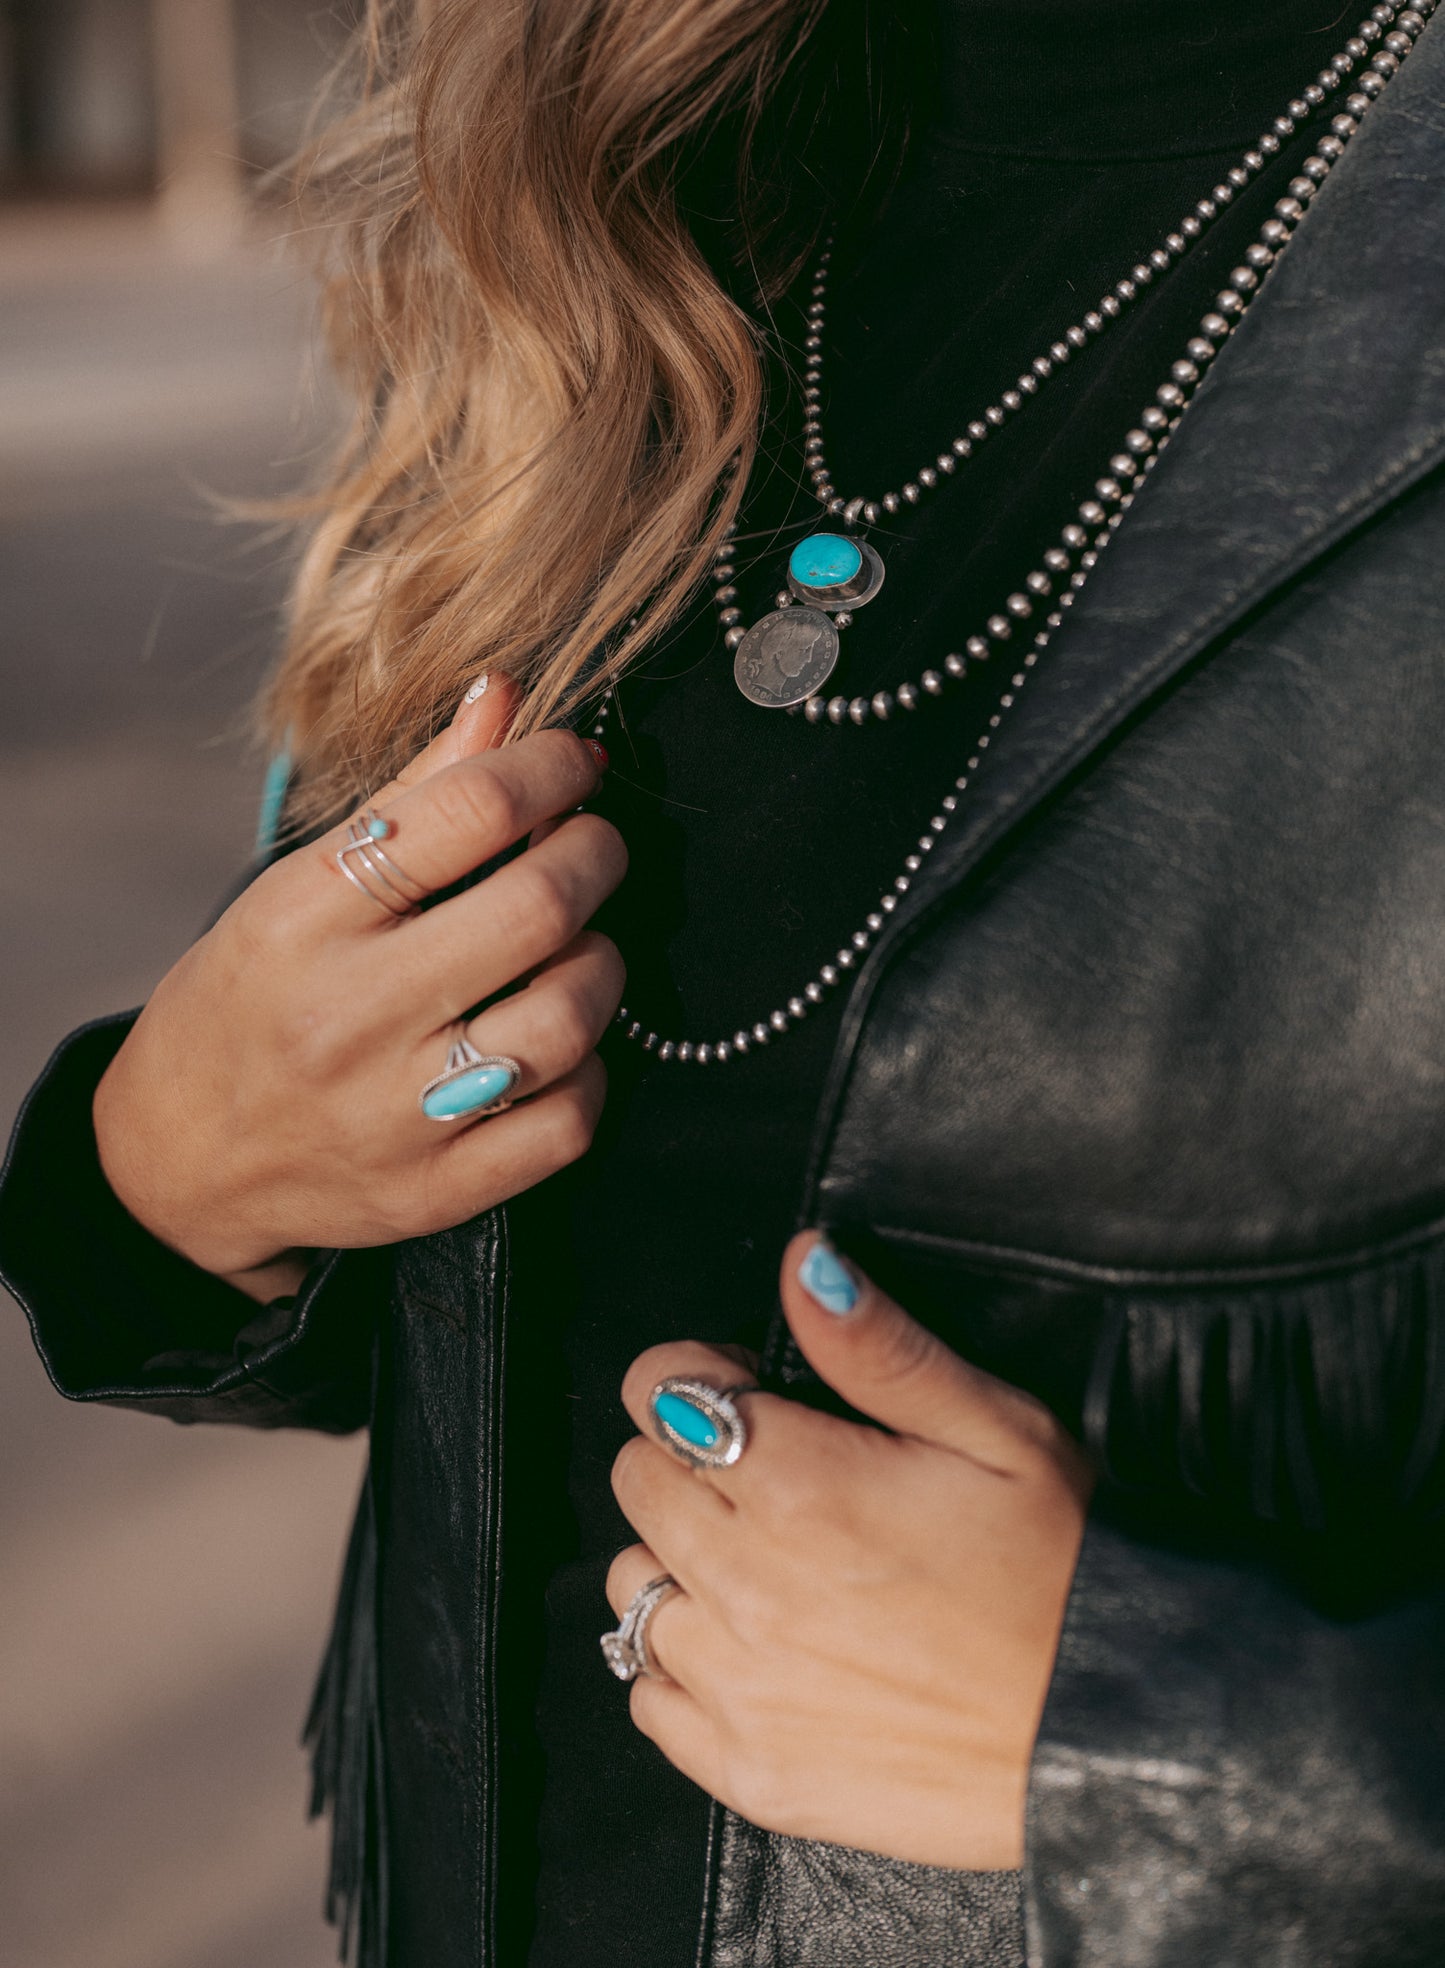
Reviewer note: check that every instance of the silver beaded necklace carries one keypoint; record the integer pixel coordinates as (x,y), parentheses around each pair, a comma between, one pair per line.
(1378,47)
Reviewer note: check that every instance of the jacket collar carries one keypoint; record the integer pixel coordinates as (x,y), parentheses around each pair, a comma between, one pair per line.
(1327,403)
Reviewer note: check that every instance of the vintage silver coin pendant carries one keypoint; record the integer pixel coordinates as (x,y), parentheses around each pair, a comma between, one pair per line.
(786,658)
(790,654)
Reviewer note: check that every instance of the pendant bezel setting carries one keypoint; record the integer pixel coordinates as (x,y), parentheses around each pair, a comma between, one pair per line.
(856,592)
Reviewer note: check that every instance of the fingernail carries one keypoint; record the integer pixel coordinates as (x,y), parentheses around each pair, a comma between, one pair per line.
(478,689)
(827,1280)
(599,752)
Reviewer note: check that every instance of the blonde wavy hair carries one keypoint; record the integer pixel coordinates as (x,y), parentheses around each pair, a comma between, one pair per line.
(542,225)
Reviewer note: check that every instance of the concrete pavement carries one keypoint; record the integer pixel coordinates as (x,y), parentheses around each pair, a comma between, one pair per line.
(163,1592)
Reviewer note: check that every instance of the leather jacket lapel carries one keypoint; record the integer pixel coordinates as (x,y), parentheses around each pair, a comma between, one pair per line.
(1327,403)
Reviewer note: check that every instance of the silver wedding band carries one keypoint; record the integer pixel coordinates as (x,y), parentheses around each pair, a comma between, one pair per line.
(625,1649)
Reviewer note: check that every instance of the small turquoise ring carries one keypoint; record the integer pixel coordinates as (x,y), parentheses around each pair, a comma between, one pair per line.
(367,865)
(471,1085)
(700,1423)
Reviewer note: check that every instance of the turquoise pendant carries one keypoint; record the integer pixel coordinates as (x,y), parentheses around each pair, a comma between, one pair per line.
(824,560)
(834,571)
(788,655)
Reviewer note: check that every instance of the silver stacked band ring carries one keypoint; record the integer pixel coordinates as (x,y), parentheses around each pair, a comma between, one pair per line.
(625,1649)
(367,865)
(471,1084)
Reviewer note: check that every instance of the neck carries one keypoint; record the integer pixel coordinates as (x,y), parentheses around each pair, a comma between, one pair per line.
(1096,79)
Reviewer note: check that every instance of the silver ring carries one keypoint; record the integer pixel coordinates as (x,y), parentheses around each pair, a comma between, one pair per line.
(367,865)
(625,1649)
(471,1085)
(700,1423)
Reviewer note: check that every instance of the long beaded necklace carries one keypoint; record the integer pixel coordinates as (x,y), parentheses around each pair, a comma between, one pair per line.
(1390,32)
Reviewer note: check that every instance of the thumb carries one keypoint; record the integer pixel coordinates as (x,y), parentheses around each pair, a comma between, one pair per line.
(888,1366)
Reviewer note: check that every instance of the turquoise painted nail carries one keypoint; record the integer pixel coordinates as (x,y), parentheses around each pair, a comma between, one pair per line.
(827,1280)
(686,1419)
(466,1092)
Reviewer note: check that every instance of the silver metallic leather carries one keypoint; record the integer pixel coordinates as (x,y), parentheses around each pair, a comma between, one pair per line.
(797,1903)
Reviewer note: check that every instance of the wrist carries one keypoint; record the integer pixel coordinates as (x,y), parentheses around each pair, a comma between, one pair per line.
(279,1277)
(260,1270)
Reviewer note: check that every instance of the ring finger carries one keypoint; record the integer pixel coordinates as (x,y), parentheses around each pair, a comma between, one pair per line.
(671,1632)
(552,1025)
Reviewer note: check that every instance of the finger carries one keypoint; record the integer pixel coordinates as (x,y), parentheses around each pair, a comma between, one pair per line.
(544,828)
(500,1156)
(885,1364)
(669,1716)
(550,1027)
(480,723)
(546,1030)
(684,1522)
(629,1572)
(459,816)
(635,1566)
(779,1433)
(465,949)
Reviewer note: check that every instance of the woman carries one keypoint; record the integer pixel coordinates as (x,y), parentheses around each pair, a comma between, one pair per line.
(1052,1548)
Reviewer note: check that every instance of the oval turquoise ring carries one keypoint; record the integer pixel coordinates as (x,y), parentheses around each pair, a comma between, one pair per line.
(698,1422)
(470,1085)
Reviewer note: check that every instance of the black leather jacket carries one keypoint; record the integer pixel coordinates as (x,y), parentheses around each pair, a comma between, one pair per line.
(1141,1100)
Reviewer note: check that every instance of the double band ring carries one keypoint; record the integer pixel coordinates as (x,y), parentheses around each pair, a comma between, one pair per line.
(471,1085)
(367,865)
(625,1649)
(700,1423)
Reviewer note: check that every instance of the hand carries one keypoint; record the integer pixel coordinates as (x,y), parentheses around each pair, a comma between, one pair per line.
(869,1617)
(266,1102)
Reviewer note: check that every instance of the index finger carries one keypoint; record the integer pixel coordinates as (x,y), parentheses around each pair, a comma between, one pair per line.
(480,724)
(451,822)
(776,1430)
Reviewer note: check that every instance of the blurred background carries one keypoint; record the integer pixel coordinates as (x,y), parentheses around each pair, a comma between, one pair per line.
(164,1592)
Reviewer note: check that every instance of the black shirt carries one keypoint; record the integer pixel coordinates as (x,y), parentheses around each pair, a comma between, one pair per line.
(1068,137)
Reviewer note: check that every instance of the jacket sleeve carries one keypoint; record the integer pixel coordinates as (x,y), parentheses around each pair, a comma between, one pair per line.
(118,1317)
(1227,1773)
(1240,1757)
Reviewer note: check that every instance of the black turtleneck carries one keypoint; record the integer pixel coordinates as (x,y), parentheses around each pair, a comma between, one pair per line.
(1123,81)
(1062,140)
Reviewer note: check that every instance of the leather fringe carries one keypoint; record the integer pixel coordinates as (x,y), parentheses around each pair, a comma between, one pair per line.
(343,1734)
(1316,1405)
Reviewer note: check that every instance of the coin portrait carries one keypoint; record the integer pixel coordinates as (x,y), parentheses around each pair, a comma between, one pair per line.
(787,657)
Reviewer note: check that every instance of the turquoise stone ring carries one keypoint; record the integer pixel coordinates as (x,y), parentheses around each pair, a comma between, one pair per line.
(368,866)
(470,1086)
(698,1422)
